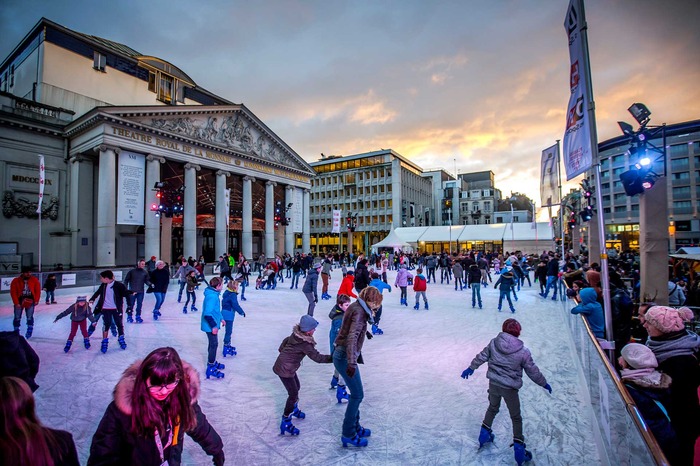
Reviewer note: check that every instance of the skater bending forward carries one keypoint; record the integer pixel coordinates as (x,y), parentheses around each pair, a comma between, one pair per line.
(507,357)
(347,354)
(292,350)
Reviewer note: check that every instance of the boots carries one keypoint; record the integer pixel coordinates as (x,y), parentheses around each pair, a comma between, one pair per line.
(426,306)
(213,371)
(417,306)
(229,350)
(362,432)
(105,344)
(485,436)
(30,330)
(129,319)
(356,441)
(86,342)
(341,394)
(376,330)
(334,382)
(68,345)
(297,412)
(122,343)
(521,454)
(184,309)
(287,426)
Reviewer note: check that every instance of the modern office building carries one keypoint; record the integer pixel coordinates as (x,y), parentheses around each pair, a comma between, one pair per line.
(112,122)
(378,190)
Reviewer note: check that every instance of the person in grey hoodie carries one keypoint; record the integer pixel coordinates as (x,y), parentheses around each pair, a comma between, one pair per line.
(507,356)
(310,288)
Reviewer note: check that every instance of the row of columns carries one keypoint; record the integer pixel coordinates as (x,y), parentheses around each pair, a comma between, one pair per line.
(154,236)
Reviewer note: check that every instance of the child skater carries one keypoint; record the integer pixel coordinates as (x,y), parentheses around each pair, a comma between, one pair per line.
(381,285)
(191,283)
(401,281)
(420,286)
(342,302)
(79,312)
(292,350)
(496,265)
(50,288)
(229,306)
(507,357)
(212,320)
(505,284)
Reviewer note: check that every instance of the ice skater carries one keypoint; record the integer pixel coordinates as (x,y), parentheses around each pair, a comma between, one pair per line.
(229,308)
(401,282)
(293,349)
(507,357)
(505,284)
(50,288)
(25,291)
(79,312)
(212,320)
(342,302)
(310,288)
(191,284)
(110,304)
(474,278)
(379,284)
(420,287)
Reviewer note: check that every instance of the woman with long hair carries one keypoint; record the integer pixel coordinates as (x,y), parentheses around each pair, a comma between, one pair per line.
(155,404)
(23,440)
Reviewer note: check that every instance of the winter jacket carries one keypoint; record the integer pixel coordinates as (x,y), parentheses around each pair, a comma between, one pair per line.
(353,329)
(50,284)
(431,263)
(507,357)
(192,283)
(457,270)
(292,351)
(362,277)
(77,313)
(160,279)
(380,285)
(136,279)
(402,277)
(18,358)
(505,282)
(115,444)
(592,310)
(552,267)
(182,272)
(346,286)
(474,274)
(336,316)
(419,283)
(229,304)
(63,451)
(676,297)
(311,282)
(541,273)
(211,310)
(119,292)
(327,267)
(17,289)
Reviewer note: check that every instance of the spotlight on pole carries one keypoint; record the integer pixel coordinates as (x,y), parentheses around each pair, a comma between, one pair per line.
(640,112)
(626,128)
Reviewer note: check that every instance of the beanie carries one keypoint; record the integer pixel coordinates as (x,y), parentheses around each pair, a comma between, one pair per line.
(307,323)
(80,299)
(639,356)
(512,327)
(667,319)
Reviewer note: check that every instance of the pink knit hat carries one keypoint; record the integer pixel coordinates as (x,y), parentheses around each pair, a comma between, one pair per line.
(639,356)
(667,319)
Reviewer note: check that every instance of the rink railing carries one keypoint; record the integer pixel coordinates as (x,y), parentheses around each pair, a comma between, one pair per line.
(625,437)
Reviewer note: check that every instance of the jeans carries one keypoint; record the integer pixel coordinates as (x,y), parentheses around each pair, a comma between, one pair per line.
(292,385)
(179,293)
(404,297)
(295,280)
(431,273)
(510,395)
(476,293)
(18,315)
(312,302)
(138,298)
(160,297)
(351,422)
(552,283)
(109,316)
(418,295)
(458,282)
(213,347)
(228,330)
(504,294)
(243,285)
(50,294)
(193,295)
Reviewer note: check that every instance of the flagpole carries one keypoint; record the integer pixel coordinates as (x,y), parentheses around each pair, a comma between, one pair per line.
(42,176)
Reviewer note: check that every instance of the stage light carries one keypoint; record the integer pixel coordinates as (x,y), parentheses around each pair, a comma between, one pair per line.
(632,182)
(626,128)
(640,112)
(648,183)
(645,161)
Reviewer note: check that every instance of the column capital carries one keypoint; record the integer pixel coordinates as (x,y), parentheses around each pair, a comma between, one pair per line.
(270,183)
(76,159)
(194,166)
(249,178)
(223,173)
(307,191)
(290,187)
(155,158)
(106,147)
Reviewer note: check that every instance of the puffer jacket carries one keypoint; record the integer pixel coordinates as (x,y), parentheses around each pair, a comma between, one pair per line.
(507,357)
(402,277)
(457,270)
(292,351)
(592,310)
(115,444)
(229,304)
(311,282)
(346,286)
(353,329)
(211,310)
(362,277)
(474,274)
(505,282)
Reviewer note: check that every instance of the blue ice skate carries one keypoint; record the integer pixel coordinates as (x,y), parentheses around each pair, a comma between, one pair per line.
(105,344)
(122,342)
(362,432)
(68,345)
(486,435)
(297,412)
(30,330)
(212,371)
(287,426)
(334,382)
(341,393)
(229,350)
(86,342)
(521,454)
(356,441)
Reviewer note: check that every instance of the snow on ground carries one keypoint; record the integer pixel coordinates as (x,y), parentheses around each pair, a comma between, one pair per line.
(419,409)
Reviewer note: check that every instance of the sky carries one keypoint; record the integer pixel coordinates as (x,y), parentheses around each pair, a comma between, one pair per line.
(466,85)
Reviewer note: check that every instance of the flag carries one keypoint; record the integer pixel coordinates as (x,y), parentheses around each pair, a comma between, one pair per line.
(549,176)
(336,221)
(42,179)
(228,205)
(578,155)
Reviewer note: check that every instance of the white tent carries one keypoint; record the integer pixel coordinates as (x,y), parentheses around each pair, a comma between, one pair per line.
(392,240)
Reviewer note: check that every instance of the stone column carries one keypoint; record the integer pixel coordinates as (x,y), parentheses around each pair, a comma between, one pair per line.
(74,208)
(152,223)
(289,229)
(166,240)
(106,206)
(222,214)
(270,219)
(189,218)
(306,224)
(247,220)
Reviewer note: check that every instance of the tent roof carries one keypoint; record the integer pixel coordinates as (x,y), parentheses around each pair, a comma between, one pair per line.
(491,232)
(689,250)
(392,240)
(441,233)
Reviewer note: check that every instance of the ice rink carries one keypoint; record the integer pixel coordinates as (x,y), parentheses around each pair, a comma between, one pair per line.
(420,410)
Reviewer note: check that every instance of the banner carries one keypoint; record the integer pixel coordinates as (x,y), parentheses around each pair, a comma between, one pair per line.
(549,176)
(227,196)
(298,211)
(577,139)
(336,222)
(42,181)
(131,188)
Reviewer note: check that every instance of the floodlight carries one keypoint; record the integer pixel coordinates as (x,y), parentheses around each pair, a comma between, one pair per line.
(640,112)
(160,184)
(645,161)
(626,128)
(648,183)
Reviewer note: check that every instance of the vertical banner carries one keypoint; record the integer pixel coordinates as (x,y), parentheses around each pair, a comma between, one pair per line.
(549,176)
(578,156)
(298,211)
(42,181)
(227,196)
(336,222)
(131,188)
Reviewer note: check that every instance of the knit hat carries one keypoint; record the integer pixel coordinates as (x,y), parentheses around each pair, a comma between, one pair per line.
(512,327)
(81,299)
(307,323)
(318,265)
(639,356)
(667,319)
(153,258)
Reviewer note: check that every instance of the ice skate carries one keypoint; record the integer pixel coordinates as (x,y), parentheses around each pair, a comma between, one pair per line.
(139,320)
(105,344)
(68,345)
(129,319)
(86,342)
(334,382)
(521,454)
(122,343)
(297,412)
(219,366)
(426,307)
(376,330)
(193,309)
(486,435)
(355,441)
(287,426)
(30,330)
(156,314)
(184,310)
(229,351)
(416,307)
(213,371)
(341,393)
(362,432)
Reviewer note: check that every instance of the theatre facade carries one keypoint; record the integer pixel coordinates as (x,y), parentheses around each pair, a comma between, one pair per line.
(112,125)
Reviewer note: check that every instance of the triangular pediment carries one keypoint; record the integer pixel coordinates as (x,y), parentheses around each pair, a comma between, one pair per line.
(230,128)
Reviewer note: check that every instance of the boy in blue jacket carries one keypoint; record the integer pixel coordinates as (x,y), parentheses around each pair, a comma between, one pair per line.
(505,284)
(381,286)
(212,320)
(591,308)
(229,306)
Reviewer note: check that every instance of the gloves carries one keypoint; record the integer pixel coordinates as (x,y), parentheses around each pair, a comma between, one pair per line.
(351,370)
(548,388)
(369,335)
(316,299)
(467,372)
(218,459)
(244,314)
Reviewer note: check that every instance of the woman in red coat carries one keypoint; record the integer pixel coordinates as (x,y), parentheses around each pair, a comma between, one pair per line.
(347,285)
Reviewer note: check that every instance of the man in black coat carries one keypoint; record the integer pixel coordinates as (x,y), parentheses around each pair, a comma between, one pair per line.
(362,277)
(18,358)
(110,303)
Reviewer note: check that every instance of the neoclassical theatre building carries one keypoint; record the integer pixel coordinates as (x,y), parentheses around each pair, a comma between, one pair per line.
(111,124)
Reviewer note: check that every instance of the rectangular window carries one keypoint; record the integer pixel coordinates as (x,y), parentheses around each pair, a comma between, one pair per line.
(618,159)
(99,61)
(681,204)
(680,176)
(678,150)
(696,147)
(679,164)
(152,81)
(619,209)
(682,192)
(165,91)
